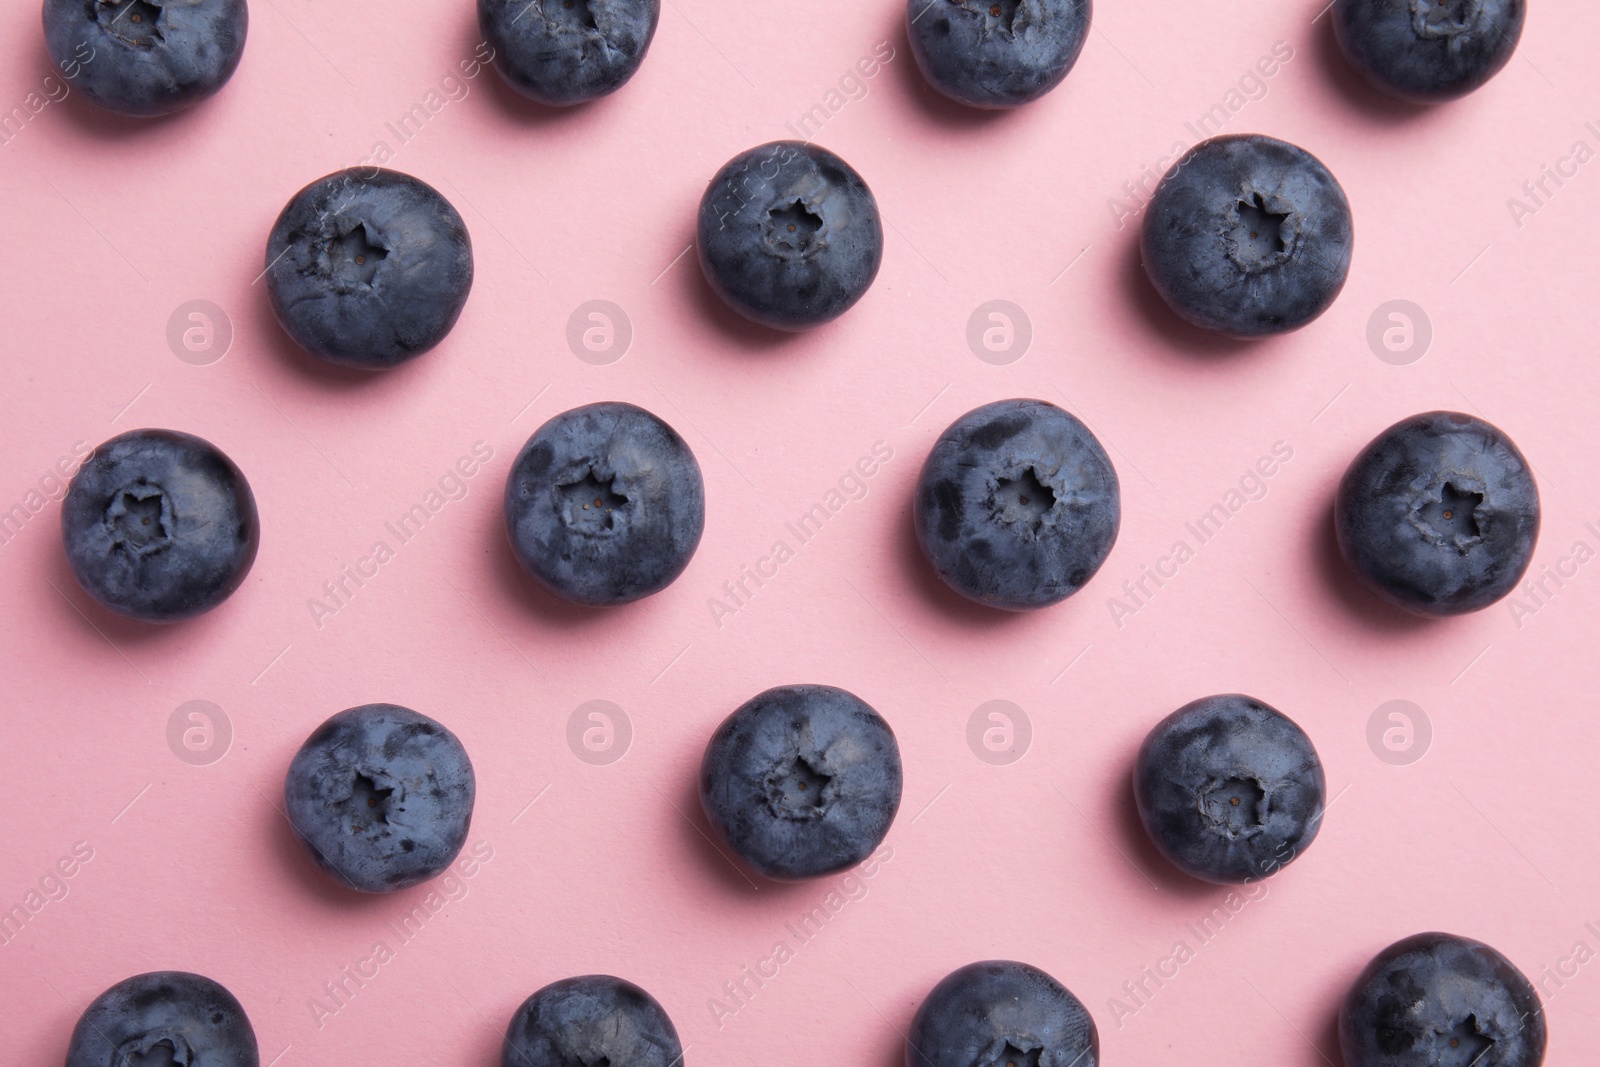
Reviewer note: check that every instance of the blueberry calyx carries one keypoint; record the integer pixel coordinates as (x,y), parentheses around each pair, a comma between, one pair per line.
(139,519)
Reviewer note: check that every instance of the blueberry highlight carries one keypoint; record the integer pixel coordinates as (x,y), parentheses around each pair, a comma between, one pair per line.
(1017,505)
(789,235)
(1229,789)
(368,268)
(1437,1000)
(159,525)
(1247,236)
(1428,51)
(591,1021)
(381,796)
(1439,514)
(996,53)
(802,781)
(564,52)
(164,1019)
(604,505)
(1000,1013)
(146,57)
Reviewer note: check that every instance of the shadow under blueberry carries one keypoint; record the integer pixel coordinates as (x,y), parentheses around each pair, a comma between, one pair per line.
(512,580)
(918,572)
(97,622)
(1129,834)
(1371,611)
(1171,329)
(937,107)
(750,336)
(96,120)
(1354,89)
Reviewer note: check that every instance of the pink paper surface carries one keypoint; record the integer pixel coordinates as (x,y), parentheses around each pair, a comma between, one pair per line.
(112,226)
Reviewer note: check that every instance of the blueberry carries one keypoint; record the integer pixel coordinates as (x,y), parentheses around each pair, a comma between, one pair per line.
(789,235)
(368,267)
(146,57)
(1017,505)
(159,525)
(1000,1013)
(591,1021)
(1437,1000)
(1247,236)
(996,53)
(802,781)
(1439,514)
(1229,789)
(562,52)
(381,796)
(604,505)
(164,1018)
(1427,51)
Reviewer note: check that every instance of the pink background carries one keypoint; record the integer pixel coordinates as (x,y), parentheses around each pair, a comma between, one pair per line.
(111,226)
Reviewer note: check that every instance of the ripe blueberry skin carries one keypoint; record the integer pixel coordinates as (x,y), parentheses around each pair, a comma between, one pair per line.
(146,57)
(1437,1000)
(164,1017)
(1000,1013)
(159,525)
(564,52)
(368,267)
(1216,751)
(996,53)
(802,781)
(1017,505)
(381,796)
(1247,236)
(1439,515)
(789,235)
(604,504)
(1428,51)
(591,1019)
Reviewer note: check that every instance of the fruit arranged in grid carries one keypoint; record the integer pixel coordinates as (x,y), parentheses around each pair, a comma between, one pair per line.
(368,267)
(802,781)
(595,1020)
(1247,236)
(996,53)
(1428,51)
(146,57)
(159,525)
(789,235)
(164,1018)
(1437,1000)
(564,52)
(1439,514)
(381,796)
(1230,790)
(1000,1013)
(1017,505)
(604,505)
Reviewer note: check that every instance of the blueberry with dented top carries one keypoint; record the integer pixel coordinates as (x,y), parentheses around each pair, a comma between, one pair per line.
(591,1019)
(1439,514)
(1438,1000)
(159,525)
(381,796)
(996,53)
(368,267)
(164,1018)
(604,504)
(802,781)
(146,57)
(564,52)
(1247,236)
(1230,790)
(1017,505)
(1428,51)
(789,235)
(1001,1013)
